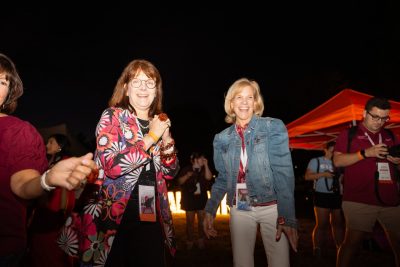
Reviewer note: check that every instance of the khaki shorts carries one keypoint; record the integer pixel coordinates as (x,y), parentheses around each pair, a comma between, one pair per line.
(362,217)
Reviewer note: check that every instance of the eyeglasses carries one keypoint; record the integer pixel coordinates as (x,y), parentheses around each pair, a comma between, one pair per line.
(150,83)
(378,118)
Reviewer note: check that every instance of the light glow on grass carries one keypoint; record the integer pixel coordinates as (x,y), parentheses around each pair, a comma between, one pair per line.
(174,198)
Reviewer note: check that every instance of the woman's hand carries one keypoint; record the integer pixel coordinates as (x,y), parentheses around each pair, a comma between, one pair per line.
(71,172)
(208,226)
(158,127)
(291,234)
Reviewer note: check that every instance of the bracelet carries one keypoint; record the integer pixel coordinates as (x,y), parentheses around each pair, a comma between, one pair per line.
(43,182)
(153,136)
(281,220)
(169,156)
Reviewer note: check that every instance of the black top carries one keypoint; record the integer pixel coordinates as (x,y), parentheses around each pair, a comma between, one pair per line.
(191,198)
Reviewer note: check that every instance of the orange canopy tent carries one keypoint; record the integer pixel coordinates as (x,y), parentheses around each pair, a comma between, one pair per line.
(324,123)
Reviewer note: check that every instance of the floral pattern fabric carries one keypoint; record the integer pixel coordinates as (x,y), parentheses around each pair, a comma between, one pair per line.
(121,157)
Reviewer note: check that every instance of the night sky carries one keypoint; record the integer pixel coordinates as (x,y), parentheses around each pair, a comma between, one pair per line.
(70,57)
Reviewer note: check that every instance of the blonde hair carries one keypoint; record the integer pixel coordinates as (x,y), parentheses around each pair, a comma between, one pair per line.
(235,89)
(119,97)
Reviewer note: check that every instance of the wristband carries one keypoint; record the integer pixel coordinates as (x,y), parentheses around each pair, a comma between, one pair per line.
(43,182)
(153,136)
(361,154)
(281,220)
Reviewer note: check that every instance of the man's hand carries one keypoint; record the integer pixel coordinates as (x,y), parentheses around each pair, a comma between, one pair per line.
(378,151)
(393,160)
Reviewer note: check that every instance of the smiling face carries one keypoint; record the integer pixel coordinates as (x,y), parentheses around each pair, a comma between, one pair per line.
(243,104)
(141,92)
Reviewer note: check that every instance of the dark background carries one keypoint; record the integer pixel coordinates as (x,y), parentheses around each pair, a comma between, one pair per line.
(70,56)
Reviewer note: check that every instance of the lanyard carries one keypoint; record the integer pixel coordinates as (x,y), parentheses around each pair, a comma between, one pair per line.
(243,157)
(243,152)
(370,139)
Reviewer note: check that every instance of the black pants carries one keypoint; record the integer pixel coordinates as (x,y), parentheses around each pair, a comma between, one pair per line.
(137,243)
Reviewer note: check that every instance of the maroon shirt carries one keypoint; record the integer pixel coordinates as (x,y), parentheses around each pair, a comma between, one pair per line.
(21,147)
(359,178)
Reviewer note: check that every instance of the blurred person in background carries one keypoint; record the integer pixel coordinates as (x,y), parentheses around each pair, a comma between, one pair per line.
(50,212)
(327,200)
(194,181)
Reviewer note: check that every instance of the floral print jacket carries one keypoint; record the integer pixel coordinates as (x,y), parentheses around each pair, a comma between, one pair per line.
(121,158)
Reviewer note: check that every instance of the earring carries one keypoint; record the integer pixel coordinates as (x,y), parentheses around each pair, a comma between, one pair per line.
(59,149)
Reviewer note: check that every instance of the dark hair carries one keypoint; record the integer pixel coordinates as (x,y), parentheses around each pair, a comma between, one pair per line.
(64,143)
(15,88)
(379,102)
(330,144)
(196,155)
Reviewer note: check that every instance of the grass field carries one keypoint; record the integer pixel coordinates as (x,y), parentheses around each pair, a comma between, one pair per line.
(218,251)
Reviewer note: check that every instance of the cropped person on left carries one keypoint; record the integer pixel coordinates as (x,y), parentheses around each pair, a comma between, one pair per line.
(22,163)
(255,169)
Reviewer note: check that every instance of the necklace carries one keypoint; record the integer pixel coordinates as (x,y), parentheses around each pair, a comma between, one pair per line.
(140,121)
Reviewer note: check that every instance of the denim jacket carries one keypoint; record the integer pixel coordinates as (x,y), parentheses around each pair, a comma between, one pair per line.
(269,172)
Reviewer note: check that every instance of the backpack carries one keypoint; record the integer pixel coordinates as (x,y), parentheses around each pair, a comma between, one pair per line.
(351,134)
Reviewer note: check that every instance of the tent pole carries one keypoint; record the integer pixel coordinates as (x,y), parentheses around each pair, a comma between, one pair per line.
(354,122)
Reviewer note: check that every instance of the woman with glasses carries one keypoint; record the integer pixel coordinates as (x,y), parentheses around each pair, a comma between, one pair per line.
(130,223)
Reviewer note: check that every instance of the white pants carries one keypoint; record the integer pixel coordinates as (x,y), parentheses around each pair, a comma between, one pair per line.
(243,226)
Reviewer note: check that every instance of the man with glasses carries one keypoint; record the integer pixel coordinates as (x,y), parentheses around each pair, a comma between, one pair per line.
(371,185)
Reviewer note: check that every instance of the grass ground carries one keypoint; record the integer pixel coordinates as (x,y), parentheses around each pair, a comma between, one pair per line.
(218,251)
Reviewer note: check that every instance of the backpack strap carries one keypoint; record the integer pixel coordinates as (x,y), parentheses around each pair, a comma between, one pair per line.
(352,132)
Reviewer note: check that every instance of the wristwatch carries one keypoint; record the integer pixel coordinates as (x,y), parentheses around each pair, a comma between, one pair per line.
(281,220)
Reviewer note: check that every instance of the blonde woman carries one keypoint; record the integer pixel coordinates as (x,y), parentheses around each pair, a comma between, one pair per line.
(255,169)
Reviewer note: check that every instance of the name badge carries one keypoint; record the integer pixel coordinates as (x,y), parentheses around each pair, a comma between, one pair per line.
(242,198)
(147,203)
(384,172)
